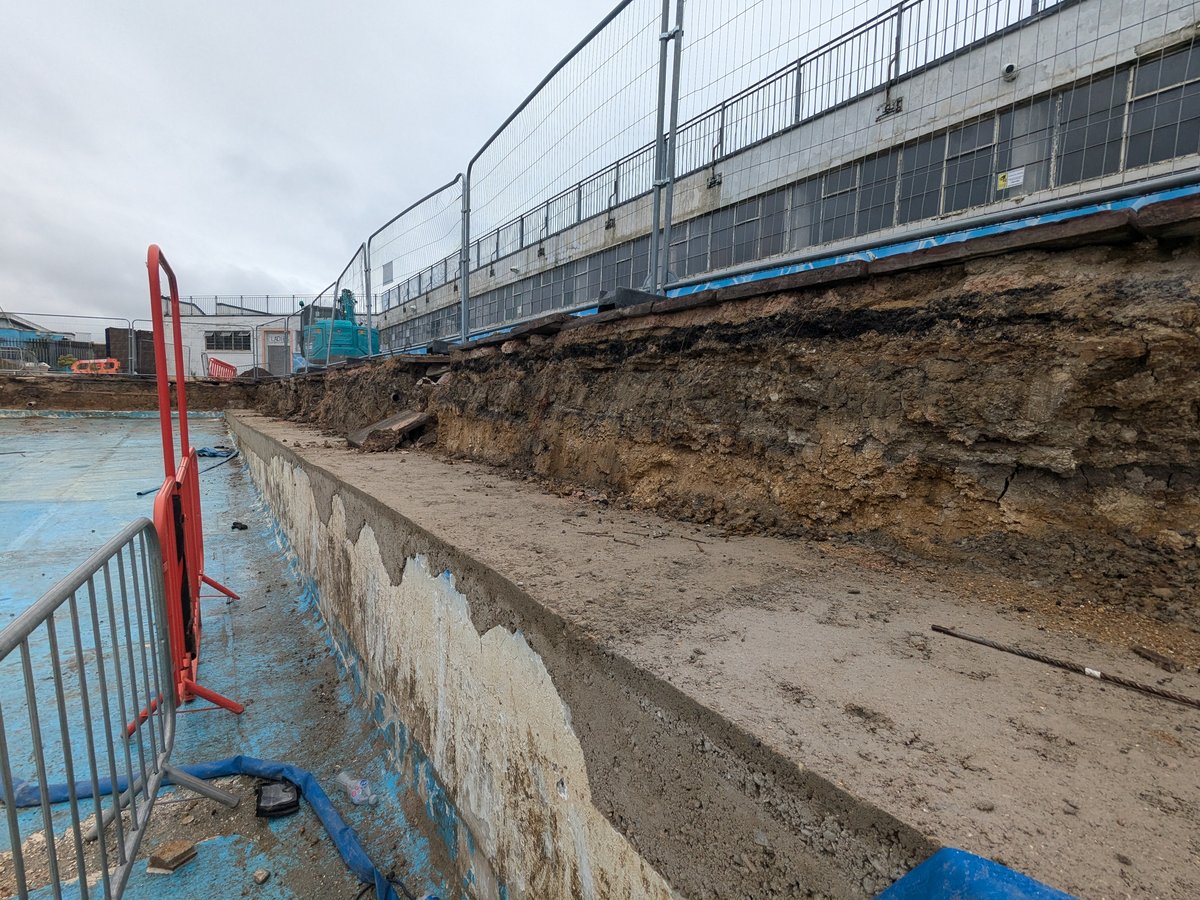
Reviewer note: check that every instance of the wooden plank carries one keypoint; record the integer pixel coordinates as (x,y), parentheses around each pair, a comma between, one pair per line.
(402,423)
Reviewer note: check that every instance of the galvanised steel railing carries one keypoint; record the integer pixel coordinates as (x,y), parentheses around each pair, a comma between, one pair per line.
(877,114)
(87,720)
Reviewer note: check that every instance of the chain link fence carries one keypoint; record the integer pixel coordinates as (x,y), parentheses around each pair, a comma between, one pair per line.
(728,136)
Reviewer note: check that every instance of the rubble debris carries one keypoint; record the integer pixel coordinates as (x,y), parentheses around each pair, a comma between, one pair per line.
(170,856)
(1163,662)
(397,427)
(261,876)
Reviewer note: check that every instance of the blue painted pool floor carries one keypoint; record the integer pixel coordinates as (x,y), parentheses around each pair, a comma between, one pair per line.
(66,485)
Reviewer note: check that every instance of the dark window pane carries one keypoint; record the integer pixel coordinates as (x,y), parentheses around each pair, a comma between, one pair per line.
(774,224)
(805,208)
(746,210)
(745,242)
(625,267)
(975,136)
(968,180)
(1092,116)
(921,179)
(641,255)
(1164,126)
(877,192)
(839,180)
(837,216)
(721,239)
(1167,71)
(697,247)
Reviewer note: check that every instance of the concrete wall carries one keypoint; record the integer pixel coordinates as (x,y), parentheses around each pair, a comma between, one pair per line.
(577,775)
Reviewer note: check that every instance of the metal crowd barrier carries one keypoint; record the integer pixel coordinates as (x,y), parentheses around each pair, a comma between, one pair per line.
(87,722)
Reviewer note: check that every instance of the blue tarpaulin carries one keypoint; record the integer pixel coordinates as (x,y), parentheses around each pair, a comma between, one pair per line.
(958,875)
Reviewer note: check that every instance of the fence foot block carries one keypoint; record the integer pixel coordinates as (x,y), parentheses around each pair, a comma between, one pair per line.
(213,583)
(200,786)
(190,687)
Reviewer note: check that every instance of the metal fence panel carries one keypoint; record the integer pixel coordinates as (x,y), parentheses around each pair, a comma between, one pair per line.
(87,716)
(804,130)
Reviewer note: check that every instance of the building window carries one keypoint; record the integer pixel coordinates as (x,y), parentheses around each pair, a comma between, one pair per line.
(877,192)
(839,198)
(1164,114)
(1092,116)
(227,340)
(969,165)
(1023,156)
(921,179)
(387,273)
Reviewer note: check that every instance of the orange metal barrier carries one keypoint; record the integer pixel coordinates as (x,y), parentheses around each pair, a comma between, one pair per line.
(218,368)
(96,366)
(177,505)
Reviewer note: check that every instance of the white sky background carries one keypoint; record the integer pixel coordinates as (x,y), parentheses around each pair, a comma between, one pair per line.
(257,143)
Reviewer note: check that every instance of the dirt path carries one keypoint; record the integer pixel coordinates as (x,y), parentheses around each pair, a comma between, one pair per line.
(824,651)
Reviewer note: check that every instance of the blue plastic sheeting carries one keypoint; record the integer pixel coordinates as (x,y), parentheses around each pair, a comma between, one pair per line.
(958,875)
(343,836)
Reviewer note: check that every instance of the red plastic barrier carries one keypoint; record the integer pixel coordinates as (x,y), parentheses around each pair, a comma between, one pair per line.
(96,366)
(218,368)
(177,505)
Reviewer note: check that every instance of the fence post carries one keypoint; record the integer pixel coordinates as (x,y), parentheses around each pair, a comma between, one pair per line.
(464,260)
(677,36)
(367,288)
(660,145)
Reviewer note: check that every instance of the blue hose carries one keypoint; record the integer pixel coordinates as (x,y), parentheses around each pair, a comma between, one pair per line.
(343,836)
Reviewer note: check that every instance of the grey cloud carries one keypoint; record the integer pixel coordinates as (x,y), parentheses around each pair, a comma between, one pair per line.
(257,143)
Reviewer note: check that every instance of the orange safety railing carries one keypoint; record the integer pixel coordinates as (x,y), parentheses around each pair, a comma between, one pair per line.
(177,505)
(218,368)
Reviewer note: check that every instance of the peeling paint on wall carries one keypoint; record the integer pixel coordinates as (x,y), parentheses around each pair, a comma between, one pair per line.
(498,734)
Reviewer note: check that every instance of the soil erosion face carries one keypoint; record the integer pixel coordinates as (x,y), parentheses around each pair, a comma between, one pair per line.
(1035,414)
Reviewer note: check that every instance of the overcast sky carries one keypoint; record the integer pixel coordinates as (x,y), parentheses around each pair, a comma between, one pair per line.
(257,143)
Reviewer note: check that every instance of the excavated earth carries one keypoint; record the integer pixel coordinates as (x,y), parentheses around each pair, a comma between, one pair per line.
(1008,444)
(1033,416)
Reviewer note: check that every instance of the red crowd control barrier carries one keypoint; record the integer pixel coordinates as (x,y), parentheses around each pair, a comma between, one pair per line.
(177,505)
(218,368)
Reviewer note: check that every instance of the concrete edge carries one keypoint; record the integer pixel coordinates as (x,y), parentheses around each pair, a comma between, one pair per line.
(767,825)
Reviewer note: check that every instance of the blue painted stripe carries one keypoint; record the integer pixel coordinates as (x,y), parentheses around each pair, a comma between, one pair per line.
(938,240)
(881,252)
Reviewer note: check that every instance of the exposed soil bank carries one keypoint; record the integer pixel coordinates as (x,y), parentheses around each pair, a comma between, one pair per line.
(1039,413)
(579,773)
(741,709)
(1036,414)
(114,393)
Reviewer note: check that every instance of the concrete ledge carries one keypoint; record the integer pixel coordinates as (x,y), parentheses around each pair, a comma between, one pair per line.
(580,772)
